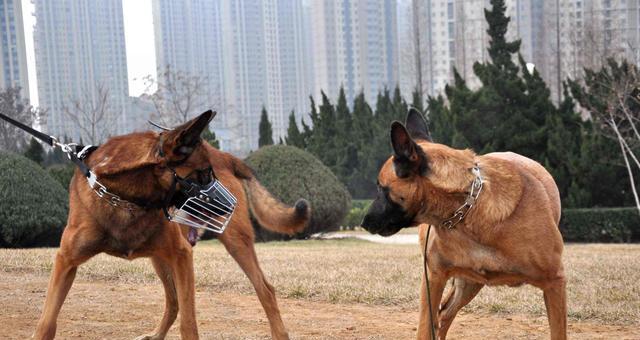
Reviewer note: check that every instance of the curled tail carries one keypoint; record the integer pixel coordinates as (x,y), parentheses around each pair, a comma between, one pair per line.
(273,214)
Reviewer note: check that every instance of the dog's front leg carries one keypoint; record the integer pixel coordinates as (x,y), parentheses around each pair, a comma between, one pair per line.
(182,266)
(60,282)
(437,282)
(166,275)
(76,246)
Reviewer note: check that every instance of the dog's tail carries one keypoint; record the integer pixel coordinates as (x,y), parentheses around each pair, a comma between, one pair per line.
(273,214)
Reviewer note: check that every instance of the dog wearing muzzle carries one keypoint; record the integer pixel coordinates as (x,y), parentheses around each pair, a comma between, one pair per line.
(139,186)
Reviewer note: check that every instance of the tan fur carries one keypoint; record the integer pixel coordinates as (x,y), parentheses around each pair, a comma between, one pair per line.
(510,237)
(273,214)
(132,166)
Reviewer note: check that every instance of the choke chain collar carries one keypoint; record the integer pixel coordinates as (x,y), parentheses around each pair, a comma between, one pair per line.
(470,201)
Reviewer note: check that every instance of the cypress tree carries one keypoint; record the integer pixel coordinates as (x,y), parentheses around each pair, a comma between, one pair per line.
(35,151)
(266,133)
(362,182)
(344,145)
(322,140)
(210,136)
(294,137)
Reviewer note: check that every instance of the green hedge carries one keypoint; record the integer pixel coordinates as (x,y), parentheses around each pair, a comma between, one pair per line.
(576,225)
(62,173)
(600,225)
(289,174)
(356,214)
(33,205)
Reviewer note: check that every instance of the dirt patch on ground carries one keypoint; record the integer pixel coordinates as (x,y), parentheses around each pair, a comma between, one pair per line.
(114,310)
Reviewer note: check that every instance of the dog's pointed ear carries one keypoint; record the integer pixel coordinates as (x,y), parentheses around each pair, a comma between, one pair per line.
(417,125)
(182,140)
(408,157)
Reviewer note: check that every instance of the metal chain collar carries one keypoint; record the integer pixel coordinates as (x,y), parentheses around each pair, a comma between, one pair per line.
(113,199)
(463,210)
(99,188)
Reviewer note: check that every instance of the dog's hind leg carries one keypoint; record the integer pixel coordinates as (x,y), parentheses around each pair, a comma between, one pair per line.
(555,299)
(240,245)
(171,300)
(76,246)
(461,294)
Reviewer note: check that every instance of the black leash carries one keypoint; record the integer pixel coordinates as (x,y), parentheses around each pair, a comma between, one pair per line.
(426,279)
(41,136)
(53,142)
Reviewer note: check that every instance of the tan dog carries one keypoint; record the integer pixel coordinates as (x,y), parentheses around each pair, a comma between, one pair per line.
(509,237)
(139,168)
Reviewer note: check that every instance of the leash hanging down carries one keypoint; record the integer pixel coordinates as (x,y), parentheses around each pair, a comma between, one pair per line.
(450,223)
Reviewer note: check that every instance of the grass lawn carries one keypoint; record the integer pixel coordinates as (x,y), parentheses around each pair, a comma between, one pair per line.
(603,279)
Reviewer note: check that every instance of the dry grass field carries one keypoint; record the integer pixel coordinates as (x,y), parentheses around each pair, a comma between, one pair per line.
(603,281)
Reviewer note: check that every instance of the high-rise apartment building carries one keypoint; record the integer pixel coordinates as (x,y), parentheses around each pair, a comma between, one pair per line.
(452,33)
(252,53)
(355,45)
(584,33)
(13,56)
(570,33)
(80,56)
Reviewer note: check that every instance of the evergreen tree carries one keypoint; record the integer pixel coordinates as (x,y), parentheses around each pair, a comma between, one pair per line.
(417,100)
(441,124)
(362,182)
(210,136)
(322,141)
(266,133)
(563,149)
(508,113)
(399,105)
(35,151)
(344,145)
(294,137)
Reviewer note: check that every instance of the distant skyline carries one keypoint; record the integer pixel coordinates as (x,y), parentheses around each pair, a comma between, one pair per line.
(139,37)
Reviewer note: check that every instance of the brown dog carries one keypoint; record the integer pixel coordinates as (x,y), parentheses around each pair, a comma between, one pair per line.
(139,168)
(509,236)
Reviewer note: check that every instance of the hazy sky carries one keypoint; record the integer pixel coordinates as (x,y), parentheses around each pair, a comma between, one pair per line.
(138,27)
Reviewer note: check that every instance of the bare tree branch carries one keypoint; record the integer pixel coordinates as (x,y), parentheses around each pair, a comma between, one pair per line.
(92,114)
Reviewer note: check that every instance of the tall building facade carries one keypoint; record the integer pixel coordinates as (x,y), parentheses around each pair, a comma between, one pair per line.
(252,53)
(13,56)
(559,37)
(452,33)
(355,45)
(80,57)
(584,33)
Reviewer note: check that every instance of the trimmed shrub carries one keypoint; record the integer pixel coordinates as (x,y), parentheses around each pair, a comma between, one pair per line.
(356,214)
(62,173)
(289,174)
(600,225)
(33,206)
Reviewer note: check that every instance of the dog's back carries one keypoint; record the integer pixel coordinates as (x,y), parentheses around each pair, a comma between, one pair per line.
(530,167)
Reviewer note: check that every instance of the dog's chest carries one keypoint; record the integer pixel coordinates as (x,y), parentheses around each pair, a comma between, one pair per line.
(479,263)
(131,241)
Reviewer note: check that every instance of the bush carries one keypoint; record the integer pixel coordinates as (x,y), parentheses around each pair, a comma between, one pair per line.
(33,206)
(600,225)
(289,174)
(356,214)
(62,173)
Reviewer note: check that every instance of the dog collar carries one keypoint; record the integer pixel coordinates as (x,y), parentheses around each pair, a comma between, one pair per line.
(463,210)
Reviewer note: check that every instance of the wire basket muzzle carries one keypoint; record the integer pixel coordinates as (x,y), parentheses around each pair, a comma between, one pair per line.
(211,209)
